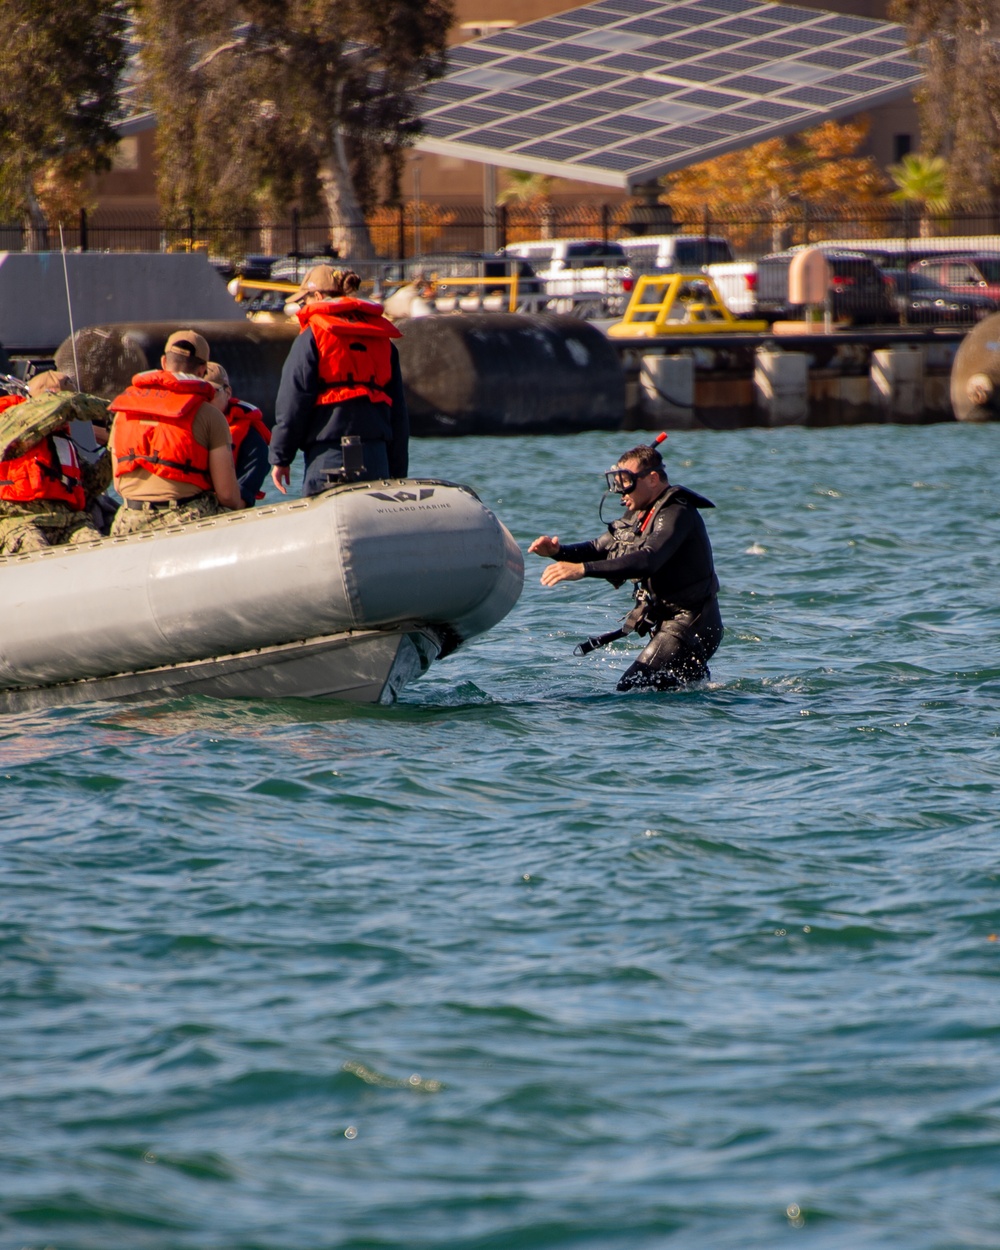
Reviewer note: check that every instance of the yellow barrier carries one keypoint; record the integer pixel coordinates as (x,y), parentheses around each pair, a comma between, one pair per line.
(239,286)
(188,245)
(443,283)
(684,303)
(245,288)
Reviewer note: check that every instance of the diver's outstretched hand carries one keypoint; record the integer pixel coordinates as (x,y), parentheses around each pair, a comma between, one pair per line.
(545,546)
(561,571)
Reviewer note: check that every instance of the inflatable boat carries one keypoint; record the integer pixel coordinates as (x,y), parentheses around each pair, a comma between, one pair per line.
(346,595)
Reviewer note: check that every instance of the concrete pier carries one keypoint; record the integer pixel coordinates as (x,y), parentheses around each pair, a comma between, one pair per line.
(846,377)
(897,382)
(781,386)
(666,394)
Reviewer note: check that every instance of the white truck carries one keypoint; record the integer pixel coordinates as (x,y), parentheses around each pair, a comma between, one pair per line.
(736,280)
(583,277)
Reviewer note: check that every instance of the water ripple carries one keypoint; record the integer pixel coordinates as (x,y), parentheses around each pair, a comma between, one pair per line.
(523,962)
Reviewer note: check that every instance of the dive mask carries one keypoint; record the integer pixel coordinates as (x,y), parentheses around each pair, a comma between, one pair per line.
(623,481)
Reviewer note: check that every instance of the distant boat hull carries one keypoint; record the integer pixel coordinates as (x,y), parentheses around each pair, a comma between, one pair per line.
(349,595)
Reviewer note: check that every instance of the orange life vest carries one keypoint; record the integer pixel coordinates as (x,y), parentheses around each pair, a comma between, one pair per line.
(50,471)
(243,418)
(154,426)
(355,355)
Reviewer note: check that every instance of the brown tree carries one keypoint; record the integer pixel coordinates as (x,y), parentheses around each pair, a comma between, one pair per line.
(60,73)
(776,179)
(260,102)
(960,98)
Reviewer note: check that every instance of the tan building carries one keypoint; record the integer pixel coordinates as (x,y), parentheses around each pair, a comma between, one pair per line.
(128,191)
(452,181)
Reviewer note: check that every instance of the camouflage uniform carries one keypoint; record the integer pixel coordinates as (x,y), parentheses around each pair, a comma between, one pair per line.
(35,525)
(133,520)
(95,475)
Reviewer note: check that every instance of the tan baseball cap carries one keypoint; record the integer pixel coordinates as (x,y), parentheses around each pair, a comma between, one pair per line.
(49,382)
(320,279)
(188,343)
(217,375)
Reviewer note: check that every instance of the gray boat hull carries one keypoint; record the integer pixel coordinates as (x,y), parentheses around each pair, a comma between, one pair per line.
(363,667)
(348,595)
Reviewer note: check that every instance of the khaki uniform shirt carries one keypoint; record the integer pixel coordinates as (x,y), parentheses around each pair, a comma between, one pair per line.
(210,430)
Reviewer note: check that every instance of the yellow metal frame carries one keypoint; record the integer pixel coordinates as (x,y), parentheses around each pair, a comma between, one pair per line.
(677,312)
(244,285)
(251,284)
(445,282)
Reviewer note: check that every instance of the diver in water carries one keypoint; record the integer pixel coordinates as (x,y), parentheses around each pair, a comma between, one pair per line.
(662,546)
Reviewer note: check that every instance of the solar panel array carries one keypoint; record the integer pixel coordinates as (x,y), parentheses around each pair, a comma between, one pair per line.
(621,91)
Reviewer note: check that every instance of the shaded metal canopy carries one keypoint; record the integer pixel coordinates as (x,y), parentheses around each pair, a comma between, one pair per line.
(621,91)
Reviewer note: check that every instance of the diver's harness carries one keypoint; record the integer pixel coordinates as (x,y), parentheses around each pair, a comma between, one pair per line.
(650,610)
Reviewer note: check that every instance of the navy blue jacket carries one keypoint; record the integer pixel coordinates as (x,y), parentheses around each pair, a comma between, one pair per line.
(251,466)
(301,424)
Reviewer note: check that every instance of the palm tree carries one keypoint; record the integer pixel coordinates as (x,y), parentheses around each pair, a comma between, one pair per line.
(922,180)
(530,191)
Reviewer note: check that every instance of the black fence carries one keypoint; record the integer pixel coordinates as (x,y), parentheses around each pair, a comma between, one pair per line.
(418,228)
(904,276)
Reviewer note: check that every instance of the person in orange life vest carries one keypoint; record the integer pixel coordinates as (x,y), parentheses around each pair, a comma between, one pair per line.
(42,501)
(170,446)
(249,433)
(90,438)
(341,377)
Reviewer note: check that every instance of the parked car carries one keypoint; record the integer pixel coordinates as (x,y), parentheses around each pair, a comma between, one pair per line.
(966,274)
(859,291)
(295,268)
(584,276)
(257,267)
(675,253)
(918,298)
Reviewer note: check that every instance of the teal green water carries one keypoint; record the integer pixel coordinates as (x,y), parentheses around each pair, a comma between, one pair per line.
(523,963)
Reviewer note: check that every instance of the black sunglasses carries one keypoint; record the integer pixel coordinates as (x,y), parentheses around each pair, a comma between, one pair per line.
(623,481)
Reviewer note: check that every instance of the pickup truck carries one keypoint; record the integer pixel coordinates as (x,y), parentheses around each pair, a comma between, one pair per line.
(736,282)
(585,277)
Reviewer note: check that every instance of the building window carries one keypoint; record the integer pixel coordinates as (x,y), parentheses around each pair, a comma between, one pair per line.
(902,145)
(126,156)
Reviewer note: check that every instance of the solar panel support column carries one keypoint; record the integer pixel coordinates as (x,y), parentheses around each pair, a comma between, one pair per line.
(489,208)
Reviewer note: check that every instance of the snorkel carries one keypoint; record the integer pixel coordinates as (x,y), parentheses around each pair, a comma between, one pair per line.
(616,483)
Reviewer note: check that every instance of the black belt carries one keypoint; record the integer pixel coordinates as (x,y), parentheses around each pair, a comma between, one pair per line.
(157,505)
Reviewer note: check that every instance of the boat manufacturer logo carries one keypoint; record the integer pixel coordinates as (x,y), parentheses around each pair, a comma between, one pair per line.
(404,496)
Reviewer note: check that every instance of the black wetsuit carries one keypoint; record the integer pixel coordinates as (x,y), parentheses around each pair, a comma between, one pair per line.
(665,550)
